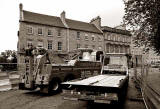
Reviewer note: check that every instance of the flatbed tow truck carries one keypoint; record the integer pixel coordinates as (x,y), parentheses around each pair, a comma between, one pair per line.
(108,87)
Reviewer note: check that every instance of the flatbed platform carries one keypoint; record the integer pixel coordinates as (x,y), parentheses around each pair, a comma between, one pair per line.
(105,80)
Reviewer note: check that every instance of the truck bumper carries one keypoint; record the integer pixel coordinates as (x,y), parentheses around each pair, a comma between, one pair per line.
(95,98)
(42,80)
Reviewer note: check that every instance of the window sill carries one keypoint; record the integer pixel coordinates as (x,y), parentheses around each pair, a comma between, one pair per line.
(40,34)
(59,36)
(29,33)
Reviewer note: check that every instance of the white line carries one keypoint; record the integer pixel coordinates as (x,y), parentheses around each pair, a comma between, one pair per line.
(144,99)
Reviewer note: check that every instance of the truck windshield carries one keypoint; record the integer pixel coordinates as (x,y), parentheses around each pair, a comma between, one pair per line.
(113,60)
(114,72)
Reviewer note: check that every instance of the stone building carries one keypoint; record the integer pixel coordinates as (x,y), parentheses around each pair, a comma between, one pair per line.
(58,33)
(116,40)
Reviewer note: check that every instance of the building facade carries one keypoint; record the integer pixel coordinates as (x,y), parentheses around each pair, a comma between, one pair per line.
(116,40)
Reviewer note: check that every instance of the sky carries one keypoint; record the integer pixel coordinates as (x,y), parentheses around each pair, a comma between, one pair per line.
(110,11)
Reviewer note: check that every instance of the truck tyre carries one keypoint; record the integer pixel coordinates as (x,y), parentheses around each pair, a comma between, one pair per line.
(21,86)
(54,86)
(68,78)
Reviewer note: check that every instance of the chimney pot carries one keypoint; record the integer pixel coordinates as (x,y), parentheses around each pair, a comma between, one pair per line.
(21,6)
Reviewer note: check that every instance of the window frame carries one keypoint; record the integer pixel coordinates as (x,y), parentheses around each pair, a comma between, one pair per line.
(29,27)
(86,46)
(59,32)
(86,37)
(50,45)
(93,37)
(50,32)
(78,35)
(59,46)
(39,43)
(78,46)
(93,46)
(29,43)
(41,32)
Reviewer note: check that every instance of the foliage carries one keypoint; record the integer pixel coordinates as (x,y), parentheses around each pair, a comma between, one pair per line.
(8,60)
(143,16)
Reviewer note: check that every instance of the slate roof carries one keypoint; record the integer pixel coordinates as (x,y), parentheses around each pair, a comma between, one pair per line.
(78,25)
(42,19)
(114,30)
(56,21)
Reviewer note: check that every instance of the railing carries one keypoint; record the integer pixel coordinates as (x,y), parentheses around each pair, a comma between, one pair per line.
(150,94)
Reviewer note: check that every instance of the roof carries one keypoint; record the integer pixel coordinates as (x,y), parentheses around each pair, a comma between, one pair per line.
(56,21)
(114,30)
(42,19)
(78,25)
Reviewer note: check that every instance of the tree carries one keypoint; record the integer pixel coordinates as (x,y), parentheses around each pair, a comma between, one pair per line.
(8,60)
(143,16)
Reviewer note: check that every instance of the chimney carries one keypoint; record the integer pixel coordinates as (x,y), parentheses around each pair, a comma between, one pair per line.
(63,18)
(21,11)
(97,22)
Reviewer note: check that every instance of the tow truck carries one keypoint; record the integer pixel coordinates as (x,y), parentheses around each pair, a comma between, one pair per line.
(108,87)
(46,69)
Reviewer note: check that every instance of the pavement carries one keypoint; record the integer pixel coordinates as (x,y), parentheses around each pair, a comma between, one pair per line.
(134,98)
(22,99)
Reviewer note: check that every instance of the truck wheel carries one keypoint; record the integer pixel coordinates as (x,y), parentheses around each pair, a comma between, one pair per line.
(69,78)
(54,87)
(21,86)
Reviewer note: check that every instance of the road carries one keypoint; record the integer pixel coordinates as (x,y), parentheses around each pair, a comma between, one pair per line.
(20,99)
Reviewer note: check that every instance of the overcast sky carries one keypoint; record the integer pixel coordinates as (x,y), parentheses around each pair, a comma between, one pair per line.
(110,11)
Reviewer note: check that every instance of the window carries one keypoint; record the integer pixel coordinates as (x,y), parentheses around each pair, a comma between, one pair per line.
(29,30)
(78,46)
(40,43)
(114,38)
(99,47)
(29,43)
(93,46)
(123,39)
(59,32)
(86,36)
(119,38)
(108,37)
(49,44)
(78,35)
(107,48)
(59,45)
(93,38)
(49,32)
(39,31)
(86,46)
(128,39)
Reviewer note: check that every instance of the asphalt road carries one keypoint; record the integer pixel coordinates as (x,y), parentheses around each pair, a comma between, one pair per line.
(20,99)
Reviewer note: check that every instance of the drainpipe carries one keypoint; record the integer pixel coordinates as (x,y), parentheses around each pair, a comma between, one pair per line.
(68,40)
